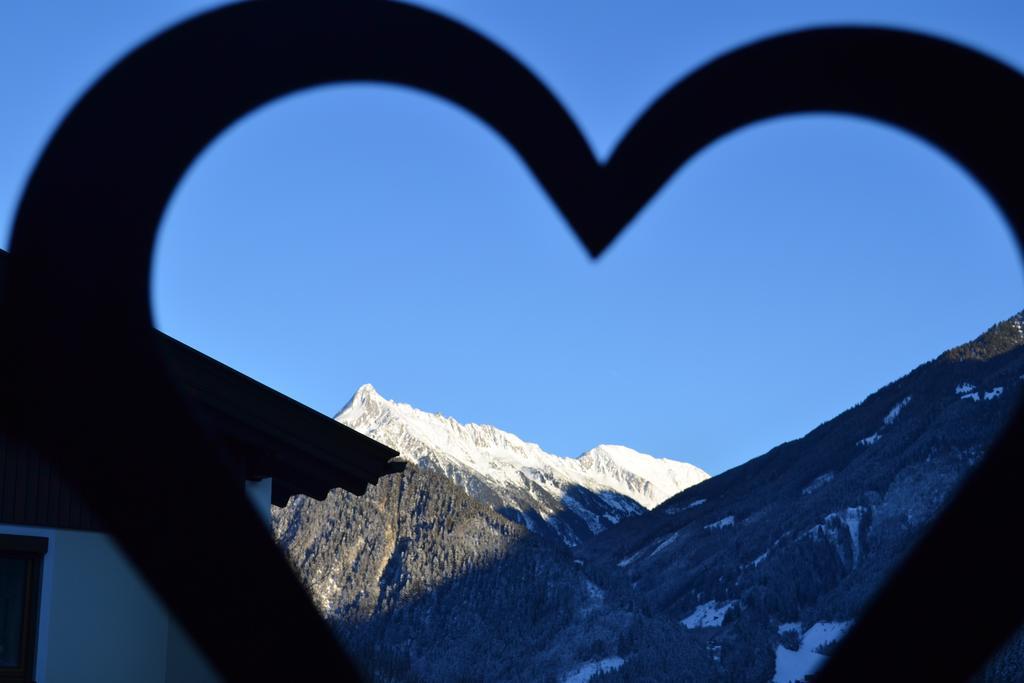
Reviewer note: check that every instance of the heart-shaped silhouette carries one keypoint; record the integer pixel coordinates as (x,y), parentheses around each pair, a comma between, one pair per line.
(81,333)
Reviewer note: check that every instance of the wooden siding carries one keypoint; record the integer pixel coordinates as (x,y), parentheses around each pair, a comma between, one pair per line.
(33,494)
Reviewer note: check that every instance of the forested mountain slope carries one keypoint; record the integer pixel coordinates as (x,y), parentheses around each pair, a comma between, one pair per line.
(424,583)
(748,576)
(805,534)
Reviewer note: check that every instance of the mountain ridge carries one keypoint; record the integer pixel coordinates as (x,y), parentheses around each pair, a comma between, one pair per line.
(1001,338)
(567,498)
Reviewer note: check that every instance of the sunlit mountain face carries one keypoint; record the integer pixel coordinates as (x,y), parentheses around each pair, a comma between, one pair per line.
(569,499)
(490,559)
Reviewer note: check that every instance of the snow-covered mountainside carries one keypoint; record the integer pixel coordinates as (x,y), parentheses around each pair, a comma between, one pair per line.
(644,478)
(567,498)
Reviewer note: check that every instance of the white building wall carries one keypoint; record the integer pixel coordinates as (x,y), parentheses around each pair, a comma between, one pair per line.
(105,623)
(259,493)
(100,623)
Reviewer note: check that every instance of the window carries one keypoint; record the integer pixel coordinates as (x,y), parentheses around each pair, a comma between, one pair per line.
(21,560)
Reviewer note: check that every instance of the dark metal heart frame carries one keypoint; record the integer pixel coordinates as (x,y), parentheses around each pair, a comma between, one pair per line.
(81,342)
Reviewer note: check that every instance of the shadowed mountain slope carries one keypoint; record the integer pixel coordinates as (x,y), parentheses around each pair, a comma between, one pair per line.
(804,534)
(748,576)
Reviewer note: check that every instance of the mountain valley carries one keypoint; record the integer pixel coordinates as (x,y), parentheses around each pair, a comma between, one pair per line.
(488,559)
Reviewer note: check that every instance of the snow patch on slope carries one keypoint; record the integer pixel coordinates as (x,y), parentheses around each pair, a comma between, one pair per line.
(722,523)
(792,666)
(676,509)
(665,543)
(887,421)
(832,524)
(588,670)
(708,615)
(818,483)
(895,412)
(823,633)
(631,559)
(870,440)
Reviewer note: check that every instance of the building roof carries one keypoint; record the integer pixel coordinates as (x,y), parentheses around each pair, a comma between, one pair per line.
(304,451)
(265,433)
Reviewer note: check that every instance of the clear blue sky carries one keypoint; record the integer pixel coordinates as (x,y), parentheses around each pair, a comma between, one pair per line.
(364,233)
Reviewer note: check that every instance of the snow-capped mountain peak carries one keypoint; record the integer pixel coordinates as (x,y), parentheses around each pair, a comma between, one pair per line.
(366,395)
(571,498)
(646,479)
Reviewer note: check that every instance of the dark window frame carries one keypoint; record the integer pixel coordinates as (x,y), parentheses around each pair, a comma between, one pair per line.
(33,549)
